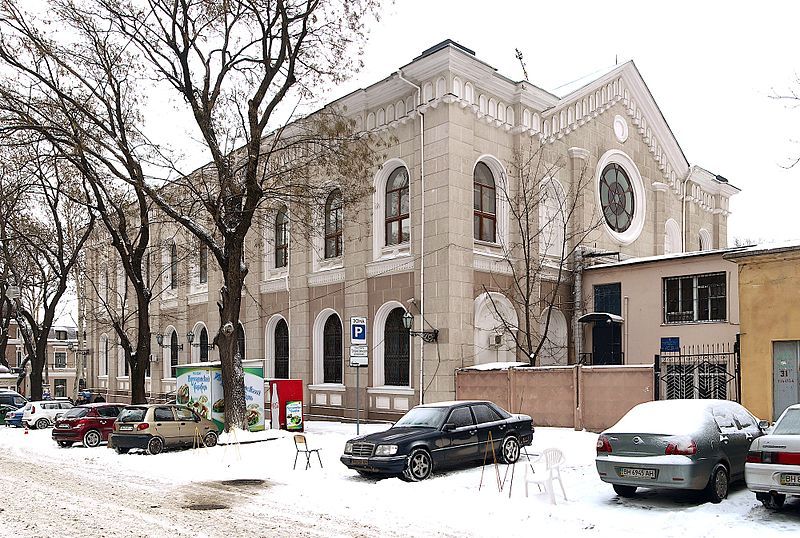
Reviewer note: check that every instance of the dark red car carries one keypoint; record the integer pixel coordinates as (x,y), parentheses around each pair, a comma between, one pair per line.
(89,424)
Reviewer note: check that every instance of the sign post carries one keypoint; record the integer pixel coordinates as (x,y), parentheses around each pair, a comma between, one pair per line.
(359,353)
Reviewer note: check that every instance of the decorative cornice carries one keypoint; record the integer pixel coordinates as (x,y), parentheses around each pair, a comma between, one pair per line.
(391,266)
(325,277)
(490,263)
(579,153)
(280,283)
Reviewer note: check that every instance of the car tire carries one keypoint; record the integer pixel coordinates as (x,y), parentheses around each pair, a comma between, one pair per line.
(155,446)
(92,439)
(121,450)
(210,439)
(773,501)
(418,466)
(42,423)
(625,491)
(509,450)
(65,444)
(717,488)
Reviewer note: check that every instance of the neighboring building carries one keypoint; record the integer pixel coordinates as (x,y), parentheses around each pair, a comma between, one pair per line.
(60,373)
(769,301)
(370,259)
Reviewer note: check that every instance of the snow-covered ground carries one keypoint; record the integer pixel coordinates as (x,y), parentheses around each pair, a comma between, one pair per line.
(48,491)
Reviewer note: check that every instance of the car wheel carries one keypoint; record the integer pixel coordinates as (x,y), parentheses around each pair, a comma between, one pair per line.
(509,451)
(773,501)
(155,445)
(210,439)
(92,439)
(42,423)
(65,444)
(717,488)
(121,450)
(419,466)
(625,491)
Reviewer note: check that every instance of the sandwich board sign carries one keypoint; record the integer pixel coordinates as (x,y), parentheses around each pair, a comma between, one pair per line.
(358,331)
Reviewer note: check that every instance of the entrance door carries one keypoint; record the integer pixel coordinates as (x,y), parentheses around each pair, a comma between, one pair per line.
(784,376)
(606,343)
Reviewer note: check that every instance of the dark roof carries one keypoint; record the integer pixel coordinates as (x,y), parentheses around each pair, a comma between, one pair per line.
(442,45)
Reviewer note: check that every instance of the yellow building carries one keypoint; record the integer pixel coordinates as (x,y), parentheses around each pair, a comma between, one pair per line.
(769,316)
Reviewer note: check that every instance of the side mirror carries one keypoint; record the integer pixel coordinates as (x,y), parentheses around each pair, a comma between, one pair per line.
(448,427)
(763,425)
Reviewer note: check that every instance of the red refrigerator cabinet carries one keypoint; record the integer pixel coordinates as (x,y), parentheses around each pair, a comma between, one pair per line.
(283,394)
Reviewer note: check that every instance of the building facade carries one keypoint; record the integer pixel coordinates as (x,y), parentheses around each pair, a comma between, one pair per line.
(434,239)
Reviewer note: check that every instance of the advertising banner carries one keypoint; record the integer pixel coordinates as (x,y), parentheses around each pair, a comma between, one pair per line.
(193,389)
(254,397)
(294,416)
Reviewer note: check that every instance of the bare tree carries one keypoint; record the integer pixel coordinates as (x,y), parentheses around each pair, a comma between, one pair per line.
(547,225)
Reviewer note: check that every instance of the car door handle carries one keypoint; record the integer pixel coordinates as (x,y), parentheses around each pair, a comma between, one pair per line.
(473,432)
(502,426)
(158,424)
(183,424)
(723,438)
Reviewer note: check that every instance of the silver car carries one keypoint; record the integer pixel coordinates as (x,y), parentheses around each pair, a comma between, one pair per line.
(773,464)
(684,444)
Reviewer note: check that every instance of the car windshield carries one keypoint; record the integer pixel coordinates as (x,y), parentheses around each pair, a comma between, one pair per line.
(789,424)
(423,417)
(77,412)
(132,414)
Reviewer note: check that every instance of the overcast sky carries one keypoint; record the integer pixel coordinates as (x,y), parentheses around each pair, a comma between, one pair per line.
(711,67)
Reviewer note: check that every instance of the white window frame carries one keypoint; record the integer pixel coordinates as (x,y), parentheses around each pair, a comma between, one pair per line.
(318,349)
(695,298)
(378,364)
(380,250)
(269,344)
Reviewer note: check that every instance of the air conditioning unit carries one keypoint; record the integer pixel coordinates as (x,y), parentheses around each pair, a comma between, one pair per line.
(496,340)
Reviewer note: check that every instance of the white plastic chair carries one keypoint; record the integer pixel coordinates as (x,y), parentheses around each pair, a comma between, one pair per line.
(552,459)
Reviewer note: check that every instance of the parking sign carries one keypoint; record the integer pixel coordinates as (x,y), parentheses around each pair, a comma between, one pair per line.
(358,331)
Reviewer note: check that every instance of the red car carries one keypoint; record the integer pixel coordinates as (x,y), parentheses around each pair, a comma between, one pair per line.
(89,424)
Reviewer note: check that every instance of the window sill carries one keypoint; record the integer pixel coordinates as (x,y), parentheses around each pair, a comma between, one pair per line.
(168,379)
(395,251)
(330,387)
(274,283)
(123,378)
(326,276)
(102,376)
(390,389)
(678,323)
(403,263)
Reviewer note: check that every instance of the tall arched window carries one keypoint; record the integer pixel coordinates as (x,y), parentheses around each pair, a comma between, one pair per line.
(398,225)
(282,350)
(240,340)
(103,355)
(203,345)
(173,354)
(173,266)
(202,264)
(333,224)
(282,238)
(396,357)
(332,350)
(552,212)
(485,202)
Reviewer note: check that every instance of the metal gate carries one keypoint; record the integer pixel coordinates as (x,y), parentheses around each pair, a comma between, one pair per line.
(699,372)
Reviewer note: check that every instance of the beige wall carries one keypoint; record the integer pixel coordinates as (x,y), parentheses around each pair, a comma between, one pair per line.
(643,304)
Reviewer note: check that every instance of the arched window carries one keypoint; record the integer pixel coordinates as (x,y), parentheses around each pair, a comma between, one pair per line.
(554,351)
(485,202)
(240,340)
(202,265)
(104,355)
(672,237)
(333,224)
(282,238)
(282,350)
(173,266)
(552,219)
(398,225)
(705,242)
(332,350)
(203,345)
(396,350)
(173,355)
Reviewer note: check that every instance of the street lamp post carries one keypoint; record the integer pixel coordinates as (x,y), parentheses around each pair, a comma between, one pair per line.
(427,336)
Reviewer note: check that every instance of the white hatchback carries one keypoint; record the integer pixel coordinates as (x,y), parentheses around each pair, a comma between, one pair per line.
(772,470)
(43,414)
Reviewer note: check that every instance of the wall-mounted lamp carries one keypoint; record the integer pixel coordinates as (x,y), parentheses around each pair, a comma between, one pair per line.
(427,336)
(160,342)
(190,339)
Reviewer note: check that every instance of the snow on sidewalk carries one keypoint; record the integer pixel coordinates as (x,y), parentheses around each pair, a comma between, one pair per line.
(449,503)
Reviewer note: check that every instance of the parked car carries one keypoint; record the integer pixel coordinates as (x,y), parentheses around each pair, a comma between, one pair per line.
(157,426)
(12,398)
(772,470)
(43,414)
(684,444)
(89,424)
(14,418)
(438,435)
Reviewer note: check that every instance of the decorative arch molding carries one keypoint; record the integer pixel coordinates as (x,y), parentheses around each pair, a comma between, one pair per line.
(379,326)
(269,343)
(165,352)
(705,241)
(195,346)
(551,218)
(487,324)
(672,237)
(501,198)
(317,337)
(554,352)
(640,197)
(379,248)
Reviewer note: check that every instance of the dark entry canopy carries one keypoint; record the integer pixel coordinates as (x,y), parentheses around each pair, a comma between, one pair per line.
(600,317)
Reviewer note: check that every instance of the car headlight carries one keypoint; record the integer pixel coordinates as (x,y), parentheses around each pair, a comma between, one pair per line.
(348,447)
(386,450)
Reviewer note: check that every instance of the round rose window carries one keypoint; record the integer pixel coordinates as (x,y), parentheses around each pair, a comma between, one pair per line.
(616,198)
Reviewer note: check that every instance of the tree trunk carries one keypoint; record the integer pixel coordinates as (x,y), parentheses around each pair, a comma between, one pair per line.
(230,359)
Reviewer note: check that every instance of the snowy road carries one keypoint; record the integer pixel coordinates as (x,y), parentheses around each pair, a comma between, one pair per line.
(49,491)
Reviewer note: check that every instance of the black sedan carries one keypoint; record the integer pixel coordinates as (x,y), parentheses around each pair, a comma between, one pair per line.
(444,434)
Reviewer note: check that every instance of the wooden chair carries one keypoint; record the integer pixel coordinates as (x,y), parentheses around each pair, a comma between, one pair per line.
(301,446)
(552,458)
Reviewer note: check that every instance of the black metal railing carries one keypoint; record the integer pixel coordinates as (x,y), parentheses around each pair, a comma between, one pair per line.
(699,372)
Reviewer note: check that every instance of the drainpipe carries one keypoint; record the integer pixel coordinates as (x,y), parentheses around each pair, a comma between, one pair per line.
(422,234)
(683,213)
(577,329)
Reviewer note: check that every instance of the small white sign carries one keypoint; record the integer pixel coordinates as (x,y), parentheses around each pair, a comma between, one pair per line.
(358,330)
(359,351)
(358,362)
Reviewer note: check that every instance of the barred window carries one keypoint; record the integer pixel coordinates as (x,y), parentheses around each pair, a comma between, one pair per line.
(695,298)
(61,359)
(396,350)
(332,350)
(203,263)
(282,350)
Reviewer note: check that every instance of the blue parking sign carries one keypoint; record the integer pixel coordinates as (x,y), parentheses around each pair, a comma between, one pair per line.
(358,330)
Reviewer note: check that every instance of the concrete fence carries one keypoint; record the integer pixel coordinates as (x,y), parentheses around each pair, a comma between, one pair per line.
(583,397)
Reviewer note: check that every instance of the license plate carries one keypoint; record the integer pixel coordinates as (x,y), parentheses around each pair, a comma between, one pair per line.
(634,472)
(788,479)
(359,461)
(125,428)
(64,426)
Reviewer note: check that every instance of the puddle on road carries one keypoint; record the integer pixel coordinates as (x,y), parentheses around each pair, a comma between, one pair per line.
(206,506)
